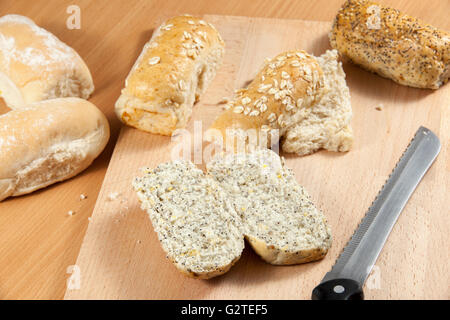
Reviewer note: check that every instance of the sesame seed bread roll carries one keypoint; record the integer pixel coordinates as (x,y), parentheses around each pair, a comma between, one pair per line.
(280,221)
(173,70)
(197,228)
(48,141)
(295,97)
(395,46)
(35,65)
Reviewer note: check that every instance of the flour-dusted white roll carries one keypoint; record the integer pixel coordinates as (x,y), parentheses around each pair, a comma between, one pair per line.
(47,142)
(35,65)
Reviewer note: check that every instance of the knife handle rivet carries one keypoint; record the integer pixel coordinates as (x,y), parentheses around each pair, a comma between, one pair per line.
(338,289)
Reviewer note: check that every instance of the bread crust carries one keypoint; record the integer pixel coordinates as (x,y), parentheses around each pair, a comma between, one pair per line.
(47,142)
(400,47)
(278,256)
(173,70)
(207,274)
(36,66)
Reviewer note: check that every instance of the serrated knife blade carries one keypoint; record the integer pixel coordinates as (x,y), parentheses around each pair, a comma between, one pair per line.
(347,276)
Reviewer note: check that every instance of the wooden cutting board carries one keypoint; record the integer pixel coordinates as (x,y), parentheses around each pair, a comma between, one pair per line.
(121,258)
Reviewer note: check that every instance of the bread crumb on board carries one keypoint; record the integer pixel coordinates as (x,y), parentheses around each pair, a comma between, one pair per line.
(224,100)
(70,213)
(113,196)
(379,107)
(83,196)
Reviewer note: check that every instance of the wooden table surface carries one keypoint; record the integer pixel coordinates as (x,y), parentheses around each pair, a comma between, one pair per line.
(38,240)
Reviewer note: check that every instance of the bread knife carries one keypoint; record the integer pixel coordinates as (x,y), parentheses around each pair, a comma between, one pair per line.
(346,278)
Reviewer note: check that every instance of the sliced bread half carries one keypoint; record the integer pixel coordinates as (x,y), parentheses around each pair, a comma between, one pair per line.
(280,221)
(197,228)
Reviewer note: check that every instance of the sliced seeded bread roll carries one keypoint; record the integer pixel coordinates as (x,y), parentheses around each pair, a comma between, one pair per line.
(48,141)
(280,222)
(202,219)
(200,232)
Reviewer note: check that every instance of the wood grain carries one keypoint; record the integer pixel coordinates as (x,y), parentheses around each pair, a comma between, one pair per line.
(38,241)
(121,258)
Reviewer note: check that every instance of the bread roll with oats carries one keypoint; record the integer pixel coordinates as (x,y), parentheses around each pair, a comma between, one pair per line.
(174,68)
(392,44)
(36,66)
(48,141)
(295,97)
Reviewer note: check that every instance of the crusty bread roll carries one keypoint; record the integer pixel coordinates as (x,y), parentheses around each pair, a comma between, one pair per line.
(174,68)
(392,44)
(35,65)
(202,219)
(47,142)
(295,97)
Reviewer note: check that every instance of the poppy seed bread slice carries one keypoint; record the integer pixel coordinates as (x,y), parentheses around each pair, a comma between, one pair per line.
(197,228)
(202,219)
(280,222)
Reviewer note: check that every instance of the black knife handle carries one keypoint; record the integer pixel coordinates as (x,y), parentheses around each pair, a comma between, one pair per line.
(338,289)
